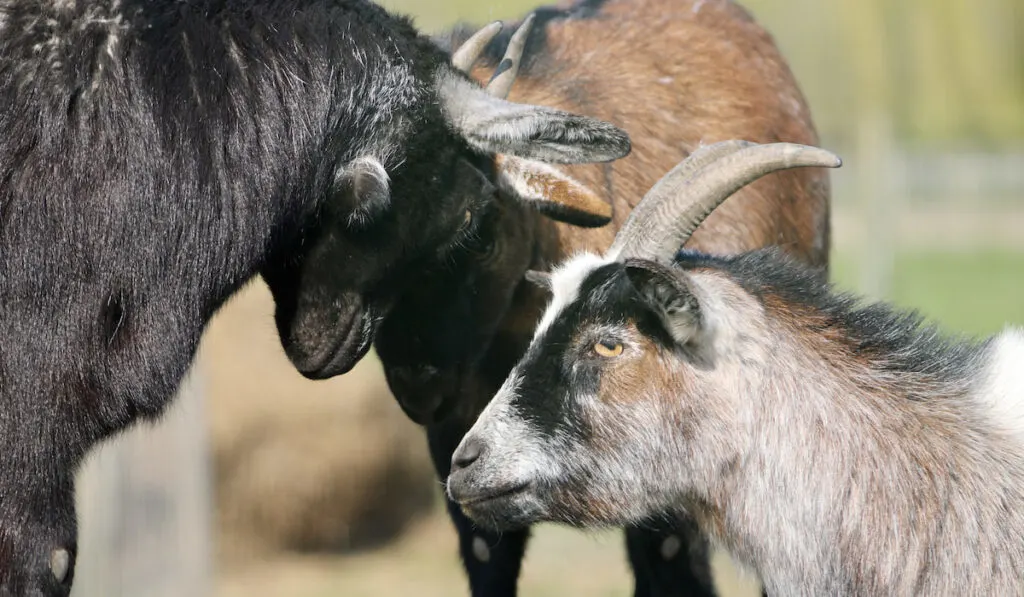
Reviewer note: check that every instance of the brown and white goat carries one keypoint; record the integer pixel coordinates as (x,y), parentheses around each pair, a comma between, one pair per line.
(674,74)
(838,449)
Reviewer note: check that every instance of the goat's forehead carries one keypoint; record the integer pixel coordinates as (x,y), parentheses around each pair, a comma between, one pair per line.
(566,281)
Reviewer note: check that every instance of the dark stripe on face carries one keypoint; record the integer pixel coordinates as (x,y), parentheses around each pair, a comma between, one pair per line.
(553,374)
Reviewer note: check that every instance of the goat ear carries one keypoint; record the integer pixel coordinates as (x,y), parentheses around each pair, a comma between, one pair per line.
(493,125)
(551,192)
(367,189)
(666,293)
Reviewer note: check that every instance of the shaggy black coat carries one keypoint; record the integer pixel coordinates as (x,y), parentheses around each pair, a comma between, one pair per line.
(155,155)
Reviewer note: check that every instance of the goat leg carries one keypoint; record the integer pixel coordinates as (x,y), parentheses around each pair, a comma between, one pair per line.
(492,561)
(37,522)
(670,562)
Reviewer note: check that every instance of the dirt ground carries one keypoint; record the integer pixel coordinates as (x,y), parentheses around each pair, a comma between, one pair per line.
(560,562)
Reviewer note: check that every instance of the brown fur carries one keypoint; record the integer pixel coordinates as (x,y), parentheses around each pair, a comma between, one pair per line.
(728,82)
(624,381)
(546,187)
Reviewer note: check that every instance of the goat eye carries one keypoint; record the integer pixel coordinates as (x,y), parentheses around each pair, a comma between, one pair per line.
(608,350)
(467,219)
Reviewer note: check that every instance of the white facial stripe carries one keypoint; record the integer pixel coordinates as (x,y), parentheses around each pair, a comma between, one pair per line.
(523,454)
(565,286)
(498,406)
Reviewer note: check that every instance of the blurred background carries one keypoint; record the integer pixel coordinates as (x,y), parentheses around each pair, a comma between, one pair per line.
(261,483)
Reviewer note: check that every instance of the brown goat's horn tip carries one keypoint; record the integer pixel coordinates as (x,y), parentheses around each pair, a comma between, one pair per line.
(827,158)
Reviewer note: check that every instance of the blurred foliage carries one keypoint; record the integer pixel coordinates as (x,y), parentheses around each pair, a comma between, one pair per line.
(945,72)
(973,292)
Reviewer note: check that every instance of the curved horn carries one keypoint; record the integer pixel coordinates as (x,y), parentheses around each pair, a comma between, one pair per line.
(645,215)
(469,52)
(505,74)
(673,209)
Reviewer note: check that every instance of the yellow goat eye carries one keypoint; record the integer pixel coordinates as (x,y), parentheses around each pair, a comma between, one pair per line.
(467,219)
(608,350)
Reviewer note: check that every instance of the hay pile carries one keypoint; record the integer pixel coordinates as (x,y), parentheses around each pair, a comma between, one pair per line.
(302,465)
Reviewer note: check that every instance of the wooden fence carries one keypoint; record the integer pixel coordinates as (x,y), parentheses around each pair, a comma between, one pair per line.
(144,503)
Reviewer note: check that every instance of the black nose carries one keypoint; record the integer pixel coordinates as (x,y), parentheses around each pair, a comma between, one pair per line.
(468,452)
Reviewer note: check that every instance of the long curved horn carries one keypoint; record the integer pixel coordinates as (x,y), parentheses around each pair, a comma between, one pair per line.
(505,74)
(469,52)
(646,214)
(673,209)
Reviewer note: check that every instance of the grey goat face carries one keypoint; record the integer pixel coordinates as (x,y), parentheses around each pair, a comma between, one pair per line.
(640,389)
(583,431)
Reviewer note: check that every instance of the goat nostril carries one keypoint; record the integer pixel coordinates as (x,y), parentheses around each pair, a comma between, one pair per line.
(468,453)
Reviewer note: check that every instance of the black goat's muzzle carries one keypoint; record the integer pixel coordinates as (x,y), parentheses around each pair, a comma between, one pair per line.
(325,349)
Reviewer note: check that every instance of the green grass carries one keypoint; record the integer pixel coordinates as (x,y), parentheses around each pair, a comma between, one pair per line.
(973,293)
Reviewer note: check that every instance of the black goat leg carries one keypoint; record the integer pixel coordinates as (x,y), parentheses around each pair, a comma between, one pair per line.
(670,562)
(491,560)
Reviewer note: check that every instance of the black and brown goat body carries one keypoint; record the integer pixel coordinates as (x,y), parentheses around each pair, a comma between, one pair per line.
(835,447)
(157,154)
(676,74)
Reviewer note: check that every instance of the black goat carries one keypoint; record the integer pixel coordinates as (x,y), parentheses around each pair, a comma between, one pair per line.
(157,154)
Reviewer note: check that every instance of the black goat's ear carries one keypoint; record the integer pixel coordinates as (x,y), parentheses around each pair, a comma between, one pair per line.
(366,186)
(538,278)
(493,125)
(667,294)
(551,192)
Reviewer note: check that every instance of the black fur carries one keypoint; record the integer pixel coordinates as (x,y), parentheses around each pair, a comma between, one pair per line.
(441,329)
(156,155)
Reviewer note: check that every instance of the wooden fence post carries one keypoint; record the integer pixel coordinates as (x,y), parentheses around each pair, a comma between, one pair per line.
(144,507)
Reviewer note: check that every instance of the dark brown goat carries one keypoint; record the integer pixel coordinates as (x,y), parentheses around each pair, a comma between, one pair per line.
(675,74)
